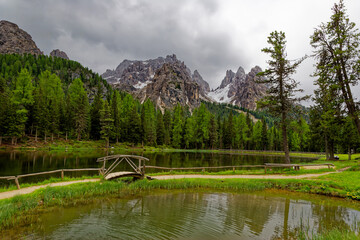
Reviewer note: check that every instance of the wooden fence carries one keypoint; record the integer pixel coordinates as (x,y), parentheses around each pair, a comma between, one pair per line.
(16,178)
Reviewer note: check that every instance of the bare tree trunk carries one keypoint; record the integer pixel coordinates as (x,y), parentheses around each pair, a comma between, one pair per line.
(326,147)
(331,151)
(66,136)
(45,137)
(349,152)
(52,137)
(285,140)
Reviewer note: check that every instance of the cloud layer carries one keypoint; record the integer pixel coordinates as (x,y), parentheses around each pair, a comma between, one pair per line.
(209,35)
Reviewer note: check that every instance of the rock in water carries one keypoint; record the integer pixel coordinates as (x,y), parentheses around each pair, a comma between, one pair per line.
(15,40)
(58,53)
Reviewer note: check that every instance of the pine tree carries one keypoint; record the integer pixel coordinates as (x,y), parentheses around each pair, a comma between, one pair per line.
(149,122)
(190,132)
(134,126)
(282,87)
(337,50)
(177,127)
(213,132)
(107,123)
(168,127)
(160,129)
(22,99)
(96,106)
(264,137)
(79,106)
(115,113)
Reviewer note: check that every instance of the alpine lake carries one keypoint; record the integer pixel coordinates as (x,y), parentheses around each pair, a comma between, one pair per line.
(177,214)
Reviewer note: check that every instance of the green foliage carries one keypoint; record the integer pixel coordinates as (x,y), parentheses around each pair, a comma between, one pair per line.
(107,123)
(79,106)
(280,98)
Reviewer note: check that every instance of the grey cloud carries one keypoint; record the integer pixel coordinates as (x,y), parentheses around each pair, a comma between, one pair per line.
(129,29)
(209,35)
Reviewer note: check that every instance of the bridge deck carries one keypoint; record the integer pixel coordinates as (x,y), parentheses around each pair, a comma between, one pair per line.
(122,174)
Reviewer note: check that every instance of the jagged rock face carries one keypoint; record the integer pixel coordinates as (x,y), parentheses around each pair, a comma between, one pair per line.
(240,89)
(58,53)
(249,91)
(173,84)
(144,78)
(136,73)
(202,83)
(15,40)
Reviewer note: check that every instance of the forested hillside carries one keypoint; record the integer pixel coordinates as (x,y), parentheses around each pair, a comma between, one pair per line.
(44,98)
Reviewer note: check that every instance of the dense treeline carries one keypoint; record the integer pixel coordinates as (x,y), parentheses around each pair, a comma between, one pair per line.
(43,98)
(37,103)
(42,106)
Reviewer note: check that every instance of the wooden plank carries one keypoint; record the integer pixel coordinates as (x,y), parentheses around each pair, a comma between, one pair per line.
(122,174)
(17,183)
(121,156)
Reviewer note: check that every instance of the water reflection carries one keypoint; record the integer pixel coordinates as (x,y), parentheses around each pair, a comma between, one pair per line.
(22,162)
(194,216)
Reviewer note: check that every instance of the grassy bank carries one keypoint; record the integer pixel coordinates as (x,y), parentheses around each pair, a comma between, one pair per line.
(24,208)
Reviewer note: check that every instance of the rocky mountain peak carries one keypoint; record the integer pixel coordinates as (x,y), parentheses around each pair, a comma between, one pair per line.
(240,89)
(172,84)
(202,83)
(229,76)
(58,53)
(15,40)
(240,75)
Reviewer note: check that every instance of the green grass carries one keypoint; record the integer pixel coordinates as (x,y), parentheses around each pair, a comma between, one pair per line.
(22,209)
(333,234)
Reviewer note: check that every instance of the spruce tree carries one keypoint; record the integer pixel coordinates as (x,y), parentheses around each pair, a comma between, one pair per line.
(177,127)
(107,123)
(160,129)
(337,49)
(95,115)
(79,106)
(115,113)
(282,88)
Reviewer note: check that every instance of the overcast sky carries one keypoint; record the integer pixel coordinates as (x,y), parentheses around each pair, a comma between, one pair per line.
(209,35)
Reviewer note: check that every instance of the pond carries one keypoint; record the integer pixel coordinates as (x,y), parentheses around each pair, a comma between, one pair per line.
(22,162)
(194,215)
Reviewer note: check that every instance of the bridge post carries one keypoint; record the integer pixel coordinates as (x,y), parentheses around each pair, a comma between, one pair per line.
(17,183)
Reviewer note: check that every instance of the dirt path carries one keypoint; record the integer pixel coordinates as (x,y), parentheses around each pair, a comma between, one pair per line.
(164,177)
(13,193)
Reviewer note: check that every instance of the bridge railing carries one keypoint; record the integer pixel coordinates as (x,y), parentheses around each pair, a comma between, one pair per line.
(140,168)
(16,178)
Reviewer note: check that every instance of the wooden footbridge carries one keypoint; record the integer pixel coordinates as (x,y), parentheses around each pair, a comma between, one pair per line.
(137,163)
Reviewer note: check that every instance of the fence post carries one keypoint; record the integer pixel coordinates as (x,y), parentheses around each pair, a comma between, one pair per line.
(17,183)
(233,169)
(265,169)
(62,174)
